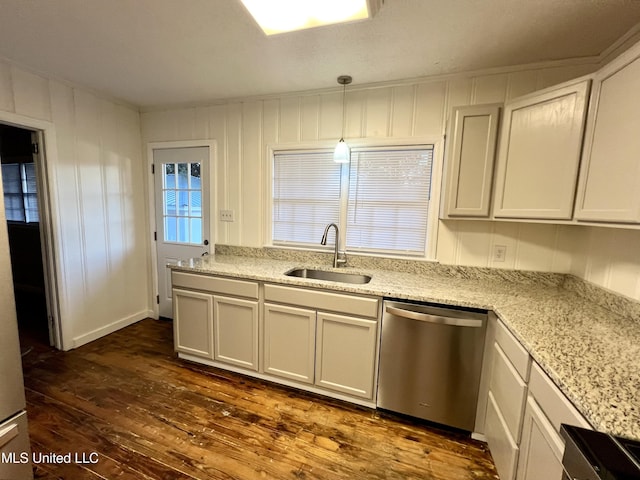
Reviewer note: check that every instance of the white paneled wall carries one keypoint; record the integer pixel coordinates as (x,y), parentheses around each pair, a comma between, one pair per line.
(244,129)
(97,193)
(609,257)
(529,246)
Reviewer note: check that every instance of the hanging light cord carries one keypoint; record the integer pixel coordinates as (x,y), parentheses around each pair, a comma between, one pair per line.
(344,80)
(344,113)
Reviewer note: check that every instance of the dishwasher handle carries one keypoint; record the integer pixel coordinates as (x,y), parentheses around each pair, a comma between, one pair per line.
(437,319)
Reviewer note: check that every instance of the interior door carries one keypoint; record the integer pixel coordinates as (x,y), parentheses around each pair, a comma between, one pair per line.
(182,211)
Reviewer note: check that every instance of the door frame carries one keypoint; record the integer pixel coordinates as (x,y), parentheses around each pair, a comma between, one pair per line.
(49,218)
(153,228)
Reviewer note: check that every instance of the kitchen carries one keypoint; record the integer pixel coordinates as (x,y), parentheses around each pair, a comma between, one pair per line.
(103,248)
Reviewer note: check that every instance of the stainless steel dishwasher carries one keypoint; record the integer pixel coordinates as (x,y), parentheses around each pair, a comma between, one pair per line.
(430,362)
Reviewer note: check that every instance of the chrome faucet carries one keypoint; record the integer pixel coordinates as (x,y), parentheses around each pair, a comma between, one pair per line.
(339,258)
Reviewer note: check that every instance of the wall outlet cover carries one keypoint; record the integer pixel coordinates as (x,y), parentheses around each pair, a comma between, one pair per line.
(226,216)
(499,253)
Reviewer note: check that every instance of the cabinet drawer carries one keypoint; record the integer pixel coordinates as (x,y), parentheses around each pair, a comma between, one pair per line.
(552,401)
(347,304)
(514,351)
(228,286)
(504,449)
(509,391)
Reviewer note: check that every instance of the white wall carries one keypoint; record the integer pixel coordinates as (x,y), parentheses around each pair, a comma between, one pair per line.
(97,193)
(609,257)
(243,129)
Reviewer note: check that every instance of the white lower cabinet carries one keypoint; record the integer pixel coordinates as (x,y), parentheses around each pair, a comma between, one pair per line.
(329,351)
(193,322)
(319,340)
(335,352)
(289,342)
(524,413)
(211,324)
(510,368)
(346,350)
(542,447)
(235,331)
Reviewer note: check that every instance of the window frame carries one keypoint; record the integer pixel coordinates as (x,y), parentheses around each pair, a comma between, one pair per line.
(24,194)
(368,143)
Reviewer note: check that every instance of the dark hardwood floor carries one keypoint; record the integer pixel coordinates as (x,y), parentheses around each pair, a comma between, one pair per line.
(148,415)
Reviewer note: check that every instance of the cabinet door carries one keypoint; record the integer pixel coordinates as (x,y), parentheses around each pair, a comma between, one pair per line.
(540,147)
(470,163)
(504,448)
(610,177)
(289,342)
(346,350)
(541,449)
(235,324)
(193,322)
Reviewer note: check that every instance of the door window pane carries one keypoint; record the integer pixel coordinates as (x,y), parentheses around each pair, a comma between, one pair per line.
(169,175)
(182,196)
(183,230)
(196,230)
(183,175)
(170,232)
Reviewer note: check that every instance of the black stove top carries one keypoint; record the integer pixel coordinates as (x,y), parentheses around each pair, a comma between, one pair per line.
(632,447)
(611,458)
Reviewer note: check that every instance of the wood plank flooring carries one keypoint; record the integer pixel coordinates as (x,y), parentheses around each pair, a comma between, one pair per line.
(149,415)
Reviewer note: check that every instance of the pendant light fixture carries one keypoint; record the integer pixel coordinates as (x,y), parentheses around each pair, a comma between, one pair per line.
(342,153)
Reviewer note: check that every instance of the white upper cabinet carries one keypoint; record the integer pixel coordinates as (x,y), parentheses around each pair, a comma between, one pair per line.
(473,133)
(609,189)
(539,154)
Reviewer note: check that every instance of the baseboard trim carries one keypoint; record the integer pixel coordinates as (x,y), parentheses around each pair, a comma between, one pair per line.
(110,328)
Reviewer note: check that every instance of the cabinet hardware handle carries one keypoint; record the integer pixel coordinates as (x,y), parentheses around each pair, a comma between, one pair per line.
(437,319)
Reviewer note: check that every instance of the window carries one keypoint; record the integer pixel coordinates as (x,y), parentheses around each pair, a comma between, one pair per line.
(182,202)
(20,192)
(381,199)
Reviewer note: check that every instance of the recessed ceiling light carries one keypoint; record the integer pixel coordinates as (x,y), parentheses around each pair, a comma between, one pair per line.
(279,16)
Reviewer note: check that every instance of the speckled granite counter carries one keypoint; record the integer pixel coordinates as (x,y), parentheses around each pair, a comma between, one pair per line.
(592,353)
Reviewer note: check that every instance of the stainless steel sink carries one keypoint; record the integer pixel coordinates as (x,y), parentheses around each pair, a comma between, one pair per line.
(329,276)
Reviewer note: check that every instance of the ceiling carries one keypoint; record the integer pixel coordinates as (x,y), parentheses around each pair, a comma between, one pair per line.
(166,52)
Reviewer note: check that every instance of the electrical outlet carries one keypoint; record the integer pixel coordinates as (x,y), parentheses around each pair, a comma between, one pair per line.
(226,215)
(499,253)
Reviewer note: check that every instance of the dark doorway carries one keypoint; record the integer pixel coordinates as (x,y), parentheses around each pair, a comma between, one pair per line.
(20,187)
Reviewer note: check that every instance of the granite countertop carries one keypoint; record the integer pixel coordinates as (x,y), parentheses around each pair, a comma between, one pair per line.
(591,353)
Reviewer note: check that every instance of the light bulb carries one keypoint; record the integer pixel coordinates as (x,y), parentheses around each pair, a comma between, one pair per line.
(341,154)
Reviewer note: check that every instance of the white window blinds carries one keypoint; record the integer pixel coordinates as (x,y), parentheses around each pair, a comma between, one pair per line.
(30,192)
(12,186)
(389,192)
(386,207)
(20,192)
(306,196)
